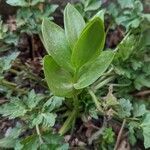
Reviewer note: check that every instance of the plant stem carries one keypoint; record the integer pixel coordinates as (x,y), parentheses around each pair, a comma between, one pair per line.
(95,100)
(71,119)
(39,134)
(67,125)
(104,82)
(12,86)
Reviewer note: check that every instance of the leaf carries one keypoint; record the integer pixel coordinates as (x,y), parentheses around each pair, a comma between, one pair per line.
(33,99)
(21,3)
(111,100)
(53,103)
(91,71)
(100,14)
(125,48)
(146,130)
(56,44)
(6,61)
(35,2)
(15,108)
(126,4)
(93,6)
(46,119)
(51,141)
(74,24)
(58,80)
(125,108)
(10,140)
(139,110)
(31,143)
(89,44)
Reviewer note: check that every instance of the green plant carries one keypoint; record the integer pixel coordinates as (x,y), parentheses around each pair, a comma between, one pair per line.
(75,57)
(88,7)
(30,14)
(36,112)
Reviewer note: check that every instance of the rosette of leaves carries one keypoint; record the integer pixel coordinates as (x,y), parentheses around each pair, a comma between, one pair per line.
(75,59)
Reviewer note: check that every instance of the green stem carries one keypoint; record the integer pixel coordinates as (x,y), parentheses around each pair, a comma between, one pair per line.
(95,100)
(104,82)
(71,119)
(39,134)
(67,125)
(12,86)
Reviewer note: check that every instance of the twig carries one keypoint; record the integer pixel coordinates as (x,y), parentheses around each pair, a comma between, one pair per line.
(119,135)
(143,93)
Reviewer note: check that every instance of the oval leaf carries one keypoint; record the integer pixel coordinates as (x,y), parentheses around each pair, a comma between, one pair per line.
(58,80)
(91,71)
(90,42)
(56,44)
(74,24)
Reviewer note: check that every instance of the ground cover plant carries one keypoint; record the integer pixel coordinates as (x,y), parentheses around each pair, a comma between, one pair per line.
(79,84)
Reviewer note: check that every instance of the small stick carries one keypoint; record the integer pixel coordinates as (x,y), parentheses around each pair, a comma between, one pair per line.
(120,134)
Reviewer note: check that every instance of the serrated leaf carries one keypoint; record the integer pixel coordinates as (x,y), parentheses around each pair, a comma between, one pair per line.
(45,119)
(111,100)
(91,71)
(33,99)
(53,103)
(58,79)
(139,110)
(10,140)
(6,61)
(89,44)
(124,110)
(74,24)
(56,44)
(15,108)
(125,48)
(51,141)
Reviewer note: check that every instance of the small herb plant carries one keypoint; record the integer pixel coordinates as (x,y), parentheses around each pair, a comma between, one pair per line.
(75,57)
(30,14)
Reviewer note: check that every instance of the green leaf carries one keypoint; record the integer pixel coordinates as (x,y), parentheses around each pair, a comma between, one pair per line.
(59,80)
(89,44)
(124,110)
(100,14)
(146,130)
(6,61)
(125,48)
(139,110)
(10,140)
(53,103)
(35,2)
(93,6)
(51,141)
(15,108)
(56,44)
(74,24)
(21,3)
(46,119)
(91,71)
(33,99)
